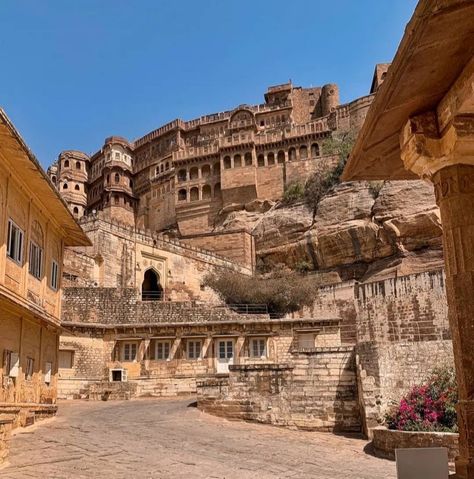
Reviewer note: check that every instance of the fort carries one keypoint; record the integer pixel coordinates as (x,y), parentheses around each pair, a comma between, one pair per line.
(139,320)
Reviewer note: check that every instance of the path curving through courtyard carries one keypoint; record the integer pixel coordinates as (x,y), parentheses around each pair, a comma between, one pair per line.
(153,438)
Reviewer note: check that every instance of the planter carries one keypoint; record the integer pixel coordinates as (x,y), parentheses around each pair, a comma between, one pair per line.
(385,441)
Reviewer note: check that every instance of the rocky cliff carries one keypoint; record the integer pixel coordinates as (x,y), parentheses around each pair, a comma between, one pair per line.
(359,231)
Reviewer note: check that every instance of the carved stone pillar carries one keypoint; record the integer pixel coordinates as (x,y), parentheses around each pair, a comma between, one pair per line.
(454,189)
(447,160)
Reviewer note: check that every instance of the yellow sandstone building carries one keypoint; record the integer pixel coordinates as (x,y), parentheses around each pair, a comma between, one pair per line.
(35,226)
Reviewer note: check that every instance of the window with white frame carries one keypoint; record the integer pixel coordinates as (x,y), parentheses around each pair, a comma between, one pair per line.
(48,369)
(194,349)
(162,350)
(129,352)
(30,364)
(258,348)
(35,265)
(15,242)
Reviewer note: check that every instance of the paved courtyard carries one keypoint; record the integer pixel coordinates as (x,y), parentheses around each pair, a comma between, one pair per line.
(168,439)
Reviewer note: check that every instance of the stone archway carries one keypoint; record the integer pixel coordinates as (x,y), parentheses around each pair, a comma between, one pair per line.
(151,287)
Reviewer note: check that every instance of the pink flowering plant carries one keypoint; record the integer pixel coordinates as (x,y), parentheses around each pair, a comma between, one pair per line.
(429,407)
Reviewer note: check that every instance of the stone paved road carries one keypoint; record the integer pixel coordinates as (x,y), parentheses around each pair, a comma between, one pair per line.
(167,439)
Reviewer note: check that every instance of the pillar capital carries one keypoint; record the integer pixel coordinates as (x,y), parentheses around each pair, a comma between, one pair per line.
(425,150)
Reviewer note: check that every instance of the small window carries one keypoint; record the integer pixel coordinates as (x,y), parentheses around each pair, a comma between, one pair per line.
(77,187)
(35,260)
(66,164)
(65,186)
(78,165)
(129,352)
(30,365)
(66,359)
(11,363)
(227,163)
(48,369)
(194,349)
(162,350)
(54,275)
(306,340)
(258,348)
(117,156)
(117,178)
(15,242)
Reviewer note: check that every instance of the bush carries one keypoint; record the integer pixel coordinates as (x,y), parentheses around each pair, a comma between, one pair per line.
(429,407)
(321,183)
(375,187)
(282,293)
(293,192)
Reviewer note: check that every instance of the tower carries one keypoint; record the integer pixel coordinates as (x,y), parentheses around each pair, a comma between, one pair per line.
(71,180)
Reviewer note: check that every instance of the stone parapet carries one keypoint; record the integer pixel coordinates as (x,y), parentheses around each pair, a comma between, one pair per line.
(386,441)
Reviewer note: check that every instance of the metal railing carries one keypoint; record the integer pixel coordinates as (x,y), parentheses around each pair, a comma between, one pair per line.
(248,308)
(153,295)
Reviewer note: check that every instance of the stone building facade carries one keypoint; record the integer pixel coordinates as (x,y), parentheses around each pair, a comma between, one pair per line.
(182,174)
(35,226)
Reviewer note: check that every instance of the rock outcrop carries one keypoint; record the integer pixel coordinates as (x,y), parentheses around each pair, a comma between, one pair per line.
(359,229)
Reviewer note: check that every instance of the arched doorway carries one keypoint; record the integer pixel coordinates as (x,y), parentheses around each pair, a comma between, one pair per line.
(151,287)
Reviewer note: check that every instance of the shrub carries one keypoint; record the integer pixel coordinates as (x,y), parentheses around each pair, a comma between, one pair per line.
(284,292)
(293,192)
(429,407)
(321,183)
(375,187)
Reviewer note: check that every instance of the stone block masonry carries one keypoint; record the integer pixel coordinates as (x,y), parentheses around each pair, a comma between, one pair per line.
(316,391)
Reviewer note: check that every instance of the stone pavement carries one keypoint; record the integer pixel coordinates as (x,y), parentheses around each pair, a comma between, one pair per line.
(167,439)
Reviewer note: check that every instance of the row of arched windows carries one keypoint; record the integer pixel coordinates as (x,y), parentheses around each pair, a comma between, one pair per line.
(66,164)
(195,172)
(205,192)
(161,168)
(76,186)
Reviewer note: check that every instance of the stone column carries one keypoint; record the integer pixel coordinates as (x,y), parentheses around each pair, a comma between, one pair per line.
(447,160)
(454,188)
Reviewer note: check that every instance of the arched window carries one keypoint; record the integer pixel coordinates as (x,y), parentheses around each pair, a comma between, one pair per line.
(281,157)
(237,161)
(216,168)
(217,189)
(78,165)
(303,152)
(248,159)
(182,195)
(53,179)
(151,287)
(75,211)
(271,158)
(130,182)
(206,171)
(162,168)
(314,150)
(182,175)
(116,200)
(108,179)
(260,160)
(292,154)
(227,163)
(117,178)
(77,187)
(66,163)
(64,186)
(206,192)
(167,166)
(194,194)
(193,173)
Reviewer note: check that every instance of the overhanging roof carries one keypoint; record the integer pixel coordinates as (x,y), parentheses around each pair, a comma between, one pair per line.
(437,44)
(28,168)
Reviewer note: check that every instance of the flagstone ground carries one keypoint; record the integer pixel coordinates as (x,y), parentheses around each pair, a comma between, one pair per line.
(152,438)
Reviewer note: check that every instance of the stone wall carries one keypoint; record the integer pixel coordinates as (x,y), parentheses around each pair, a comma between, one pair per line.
(386,441)
(120,256)
(317,390)
(402,334)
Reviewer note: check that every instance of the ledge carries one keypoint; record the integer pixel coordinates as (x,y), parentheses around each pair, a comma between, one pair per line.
(260,367)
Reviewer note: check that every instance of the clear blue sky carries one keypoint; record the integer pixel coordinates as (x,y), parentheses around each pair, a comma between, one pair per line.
(74,72)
